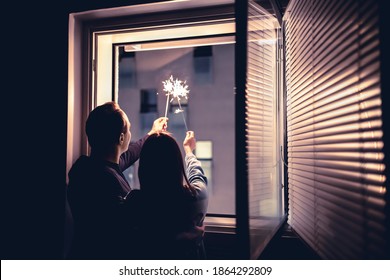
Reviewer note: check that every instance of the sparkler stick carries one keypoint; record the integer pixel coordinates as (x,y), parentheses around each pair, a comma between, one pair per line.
(177,89)
(166,106)
(184,119)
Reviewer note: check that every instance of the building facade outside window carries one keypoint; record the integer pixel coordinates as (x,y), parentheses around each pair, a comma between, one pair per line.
(209,110)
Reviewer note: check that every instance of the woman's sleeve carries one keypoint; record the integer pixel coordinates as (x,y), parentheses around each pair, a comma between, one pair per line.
(132,154)
(198,180)
(196,175)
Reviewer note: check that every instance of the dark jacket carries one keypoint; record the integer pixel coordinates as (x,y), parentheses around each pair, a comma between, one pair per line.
(96,193)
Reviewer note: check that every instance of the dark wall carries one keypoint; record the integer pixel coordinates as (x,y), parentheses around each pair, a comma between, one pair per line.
(35,67)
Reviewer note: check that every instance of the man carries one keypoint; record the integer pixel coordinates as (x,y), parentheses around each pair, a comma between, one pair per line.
(98,189)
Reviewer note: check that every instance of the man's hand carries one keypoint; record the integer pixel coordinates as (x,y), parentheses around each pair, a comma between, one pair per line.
(159,125)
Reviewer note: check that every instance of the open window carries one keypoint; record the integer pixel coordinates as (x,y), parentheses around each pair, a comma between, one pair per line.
(127,57)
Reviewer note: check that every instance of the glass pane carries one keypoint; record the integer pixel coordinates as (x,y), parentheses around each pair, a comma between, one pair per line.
(265,207)
(209,110)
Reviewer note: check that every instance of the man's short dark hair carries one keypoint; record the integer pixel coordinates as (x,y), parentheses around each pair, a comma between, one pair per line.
(104,125)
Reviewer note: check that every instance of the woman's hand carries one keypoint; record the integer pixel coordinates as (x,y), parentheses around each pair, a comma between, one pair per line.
(189,142)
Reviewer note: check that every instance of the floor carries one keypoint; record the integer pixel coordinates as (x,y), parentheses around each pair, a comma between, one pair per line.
(287,245)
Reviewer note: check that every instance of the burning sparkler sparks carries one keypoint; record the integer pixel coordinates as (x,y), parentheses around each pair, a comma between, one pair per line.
(178,89)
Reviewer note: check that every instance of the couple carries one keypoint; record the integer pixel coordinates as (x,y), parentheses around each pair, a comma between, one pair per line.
(162,220)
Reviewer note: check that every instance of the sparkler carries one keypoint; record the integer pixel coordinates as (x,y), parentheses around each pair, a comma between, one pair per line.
(175,89)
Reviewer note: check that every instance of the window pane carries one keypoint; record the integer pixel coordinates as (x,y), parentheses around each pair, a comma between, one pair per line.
(208,111)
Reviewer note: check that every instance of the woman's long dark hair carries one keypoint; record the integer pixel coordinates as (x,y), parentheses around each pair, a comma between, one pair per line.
(165,209)
(161,169)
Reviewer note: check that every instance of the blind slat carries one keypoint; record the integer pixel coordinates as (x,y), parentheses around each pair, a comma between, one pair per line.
(334,128)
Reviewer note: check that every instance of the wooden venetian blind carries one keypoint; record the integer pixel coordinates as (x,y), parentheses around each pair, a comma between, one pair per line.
(334,127)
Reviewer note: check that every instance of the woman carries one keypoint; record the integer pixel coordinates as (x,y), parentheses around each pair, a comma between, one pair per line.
(173,199)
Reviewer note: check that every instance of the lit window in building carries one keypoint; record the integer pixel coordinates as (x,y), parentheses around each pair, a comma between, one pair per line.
(204,153)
